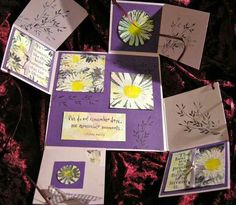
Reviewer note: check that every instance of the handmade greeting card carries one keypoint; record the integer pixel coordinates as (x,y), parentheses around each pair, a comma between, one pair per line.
(36,34)
(72,176)
(195,118)
(200,169)
(182,34)
(107,101)
(147,28)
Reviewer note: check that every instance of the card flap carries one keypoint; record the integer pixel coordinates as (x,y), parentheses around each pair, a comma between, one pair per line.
(51,21)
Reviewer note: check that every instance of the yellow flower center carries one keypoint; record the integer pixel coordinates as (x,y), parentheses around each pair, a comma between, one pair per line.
(212,164)
(68,174)
(134,28)
(77,85)
(22,47)
(75,58)
(132,91)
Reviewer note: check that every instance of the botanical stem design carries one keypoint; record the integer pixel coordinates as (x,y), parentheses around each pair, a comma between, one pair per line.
(196,119)
(142,132)
(47,21)
(64,100)
(180,30)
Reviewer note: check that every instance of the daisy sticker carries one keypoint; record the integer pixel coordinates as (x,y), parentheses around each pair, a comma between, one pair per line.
(136,29)
(210,166)
(68,174)
(131,91)
(81,73)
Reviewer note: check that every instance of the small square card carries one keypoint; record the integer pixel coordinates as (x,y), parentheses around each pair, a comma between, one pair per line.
(80,174)
(139,31)
(186,24)
(36,34)
(195,170)
(195,118)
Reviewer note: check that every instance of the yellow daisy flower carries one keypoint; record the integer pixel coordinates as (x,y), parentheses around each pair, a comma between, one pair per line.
(68,174)
(212,165)
(136,29)
(71,61)
(76,82)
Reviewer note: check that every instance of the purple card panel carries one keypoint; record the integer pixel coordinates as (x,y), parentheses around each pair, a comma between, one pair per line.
(154,11)
(143,127)
(68,175)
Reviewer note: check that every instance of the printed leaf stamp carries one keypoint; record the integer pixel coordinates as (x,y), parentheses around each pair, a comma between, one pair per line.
(196,119)
(47,22)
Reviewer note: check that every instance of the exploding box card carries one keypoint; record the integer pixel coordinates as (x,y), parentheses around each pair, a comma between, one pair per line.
(195,170)
(72,176)
(36,34)
(143,28)
(106,101)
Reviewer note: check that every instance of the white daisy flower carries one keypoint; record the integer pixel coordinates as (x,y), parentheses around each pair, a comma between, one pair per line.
(81,73)
(21,43)
(211,166)
(68,174)
(14,63)
(131,91)
(76,82)
(72,61)
(136,29)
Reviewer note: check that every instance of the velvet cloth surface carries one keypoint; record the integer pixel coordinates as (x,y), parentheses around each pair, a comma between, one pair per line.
(132,178)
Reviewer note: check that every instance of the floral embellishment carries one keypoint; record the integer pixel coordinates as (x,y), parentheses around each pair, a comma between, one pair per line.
(135,29)
(81,73)
(68,174)
(131,91)
(210,165)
